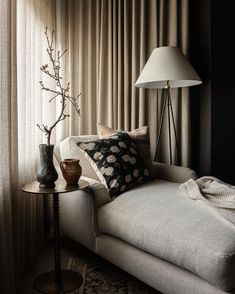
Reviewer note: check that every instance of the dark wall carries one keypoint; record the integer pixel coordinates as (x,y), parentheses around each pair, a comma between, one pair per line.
(200,47)
(213,103)
(223,89)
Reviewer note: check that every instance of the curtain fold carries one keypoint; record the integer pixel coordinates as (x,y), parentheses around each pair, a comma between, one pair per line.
(32,107)
(111,42)
(8,146)
(21,216)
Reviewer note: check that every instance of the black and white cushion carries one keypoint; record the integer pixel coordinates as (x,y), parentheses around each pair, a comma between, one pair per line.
(117,162)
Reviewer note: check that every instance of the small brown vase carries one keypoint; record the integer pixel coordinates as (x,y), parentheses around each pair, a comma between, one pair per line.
(71,170)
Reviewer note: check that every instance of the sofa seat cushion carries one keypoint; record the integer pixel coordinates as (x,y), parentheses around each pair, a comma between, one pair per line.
(157,218)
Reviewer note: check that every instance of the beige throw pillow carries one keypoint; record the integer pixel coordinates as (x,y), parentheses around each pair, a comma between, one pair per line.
(140,137)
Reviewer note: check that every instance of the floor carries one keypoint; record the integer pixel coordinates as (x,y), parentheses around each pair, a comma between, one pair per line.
(45,263)
(46,260)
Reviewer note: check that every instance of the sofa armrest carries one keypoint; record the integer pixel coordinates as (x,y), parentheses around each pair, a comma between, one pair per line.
(100,193)
(173,173)
(78,212)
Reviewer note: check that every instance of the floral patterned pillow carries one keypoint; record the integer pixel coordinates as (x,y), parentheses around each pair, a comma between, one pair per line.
(117,162)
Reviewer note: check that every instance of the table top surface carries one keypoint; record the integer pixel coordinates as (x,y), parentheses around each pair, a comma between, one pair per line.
(61,187)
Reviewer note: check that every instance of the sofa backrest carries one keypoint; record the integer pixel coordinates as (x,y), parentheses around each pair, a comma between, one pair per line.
(68,148)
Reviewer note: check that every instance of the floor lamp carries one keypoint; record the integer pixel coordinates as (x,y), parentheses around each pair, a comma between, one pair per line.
(166,68)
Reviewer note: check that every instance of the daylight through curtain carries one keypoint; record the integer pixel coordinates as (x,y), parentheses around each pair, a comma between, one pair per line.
(22,106)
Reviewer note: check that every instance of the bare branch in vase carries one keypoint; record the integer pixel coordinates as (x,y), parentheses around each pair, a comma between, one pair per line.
(61,92)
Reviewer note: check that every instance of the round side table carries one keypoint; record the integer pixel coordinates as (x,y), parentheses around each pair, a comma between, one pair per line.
(57,281)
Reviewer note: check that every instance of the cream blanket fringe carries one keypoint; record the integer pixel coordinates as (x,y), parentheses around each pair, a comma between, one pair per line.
(214,193)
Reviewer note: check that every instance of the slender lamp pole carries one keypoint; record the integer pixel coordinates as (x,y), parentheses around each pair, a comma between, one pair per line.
(167,67)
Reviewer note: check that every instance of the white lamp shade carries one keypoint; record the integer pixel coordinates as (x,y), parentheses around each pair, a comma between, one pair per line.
(167,64)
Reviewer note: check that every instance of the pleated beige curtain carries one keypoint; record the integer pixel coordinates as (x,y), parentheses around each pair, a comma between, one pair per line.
(108,44)
(32,108)
(22,106)
(8,146)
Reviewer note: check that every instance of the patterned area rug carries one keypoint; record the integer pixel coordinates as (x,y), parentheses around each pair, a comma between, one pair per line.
(102,277)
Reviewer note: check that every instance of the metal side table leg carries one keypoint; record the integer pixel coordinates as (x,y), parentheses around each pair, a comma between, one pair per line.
(57,281)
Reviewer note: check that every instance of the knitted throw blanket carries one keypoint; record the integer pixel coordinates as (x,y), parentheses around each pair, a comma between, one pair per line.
(214,193)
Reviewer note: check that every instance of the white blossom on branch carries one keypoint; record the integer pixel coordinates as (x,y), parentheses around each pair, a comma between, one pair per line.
(60,92)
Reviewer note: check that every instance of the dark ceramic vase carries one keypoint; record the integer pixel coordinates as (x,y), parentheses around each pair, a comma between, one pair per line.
(46,173)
